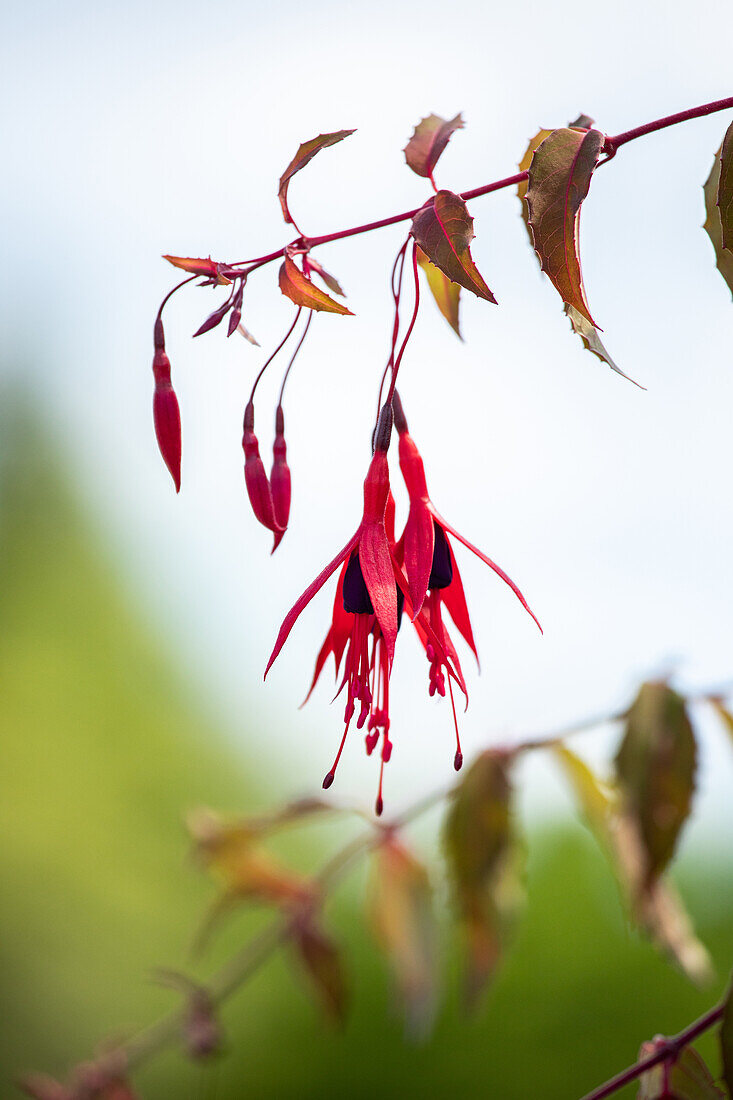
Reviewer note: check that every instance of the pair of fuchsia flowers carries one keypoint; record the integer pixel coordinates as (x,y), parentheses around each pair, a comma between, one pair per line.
(379,578)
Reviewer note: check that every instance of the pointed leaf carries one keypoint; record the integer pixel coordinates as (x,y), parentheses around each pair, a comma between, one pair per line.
(199,266)
(726,1040)
(725,189)
(655,768)
(305,154)
(444,230)
(522,186)
(594,798)
(479,849)
(588,333)
(247,335)
(404,924)
(321,961)
(446,293)
(662,915)
(559,178)
(296,286)
(683,1077)
(713,225)
(333,285)
(428,141)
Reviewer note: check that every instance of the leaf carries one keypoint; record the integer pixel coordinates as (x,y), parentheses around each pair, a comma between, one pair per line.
(726,1039)
(445,292)
(404,923)
(595,800)
(662,915)
(483,865)
(206,267)
(296,286)
(713,225)
(582,122)
(655,767)
(588,333)
(321,961)
(559,177)
(331,283)
(724,714)
(444,230)
(522,186)
(429,139)
(305,155)
(684,1076)
(725,189)
(247,335)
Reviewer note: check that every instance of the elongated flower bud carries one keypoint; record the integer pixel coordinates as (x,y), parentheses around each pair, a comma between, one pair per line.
(166,414)
(258,487)
(280,477)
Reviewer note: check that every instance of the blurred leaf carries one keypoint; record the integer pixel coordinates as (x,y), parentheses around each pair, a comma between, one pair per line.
(429,139)
(206,267)
(333,285)
(247,335)
(522,186)
(41,1087)
(444,230)
(655,768)
(201,1030)
(713,226)
(305,155)
(724,714)
(296,286)
(559,177)
(321,960)
(483,865)
(404,922)
(445,292)
(592,342)
(684,1077)
(725,189)
(726,1040)
(595,800)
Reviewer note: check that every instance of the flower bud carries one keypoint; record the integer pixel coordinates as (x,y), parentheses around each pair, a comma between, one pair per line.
(166,414)
(280,477)
(258,487)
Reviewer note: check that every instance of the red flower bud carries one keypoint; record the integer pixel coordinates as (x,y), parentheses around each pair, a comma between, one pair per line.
(258,487)
(280,477)
(166,414)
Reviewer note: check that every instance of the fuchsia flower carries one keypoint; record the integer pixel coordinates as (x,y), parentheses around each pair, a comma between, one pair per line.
(166,414)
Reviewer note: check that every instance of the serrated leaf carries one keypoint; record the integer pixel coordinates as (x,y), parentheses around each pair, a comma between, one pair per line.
(299,289)
(404,923)
(483,865)
(331,283)
(655,769)
(592,342)
(306,152)
(429,139)
(199,266)
(559,178)
(684,1077)
(726,1040)
(444,230)
(713,225)
(595,800)
(446,293)
(522,186)
(725,189)
(321,961)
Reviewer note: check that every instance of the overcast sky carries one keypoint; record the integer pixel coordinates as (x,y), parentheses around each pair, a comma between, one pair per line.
(164,128)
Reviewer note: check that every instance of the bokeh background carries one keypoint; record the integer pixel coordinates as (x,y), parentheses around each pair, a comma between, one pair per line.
(134,625)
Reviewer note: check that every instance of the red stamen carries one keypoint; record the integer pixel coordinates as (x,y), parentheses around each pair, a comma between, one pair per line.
(458,758)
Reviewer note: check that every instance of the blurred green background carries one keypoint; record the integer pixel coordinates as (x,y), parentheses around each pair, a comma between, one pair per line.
(106,746)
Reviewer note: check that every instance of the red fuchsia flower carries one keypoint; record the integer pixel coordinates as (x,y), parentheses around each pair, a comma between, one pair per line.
(366,611)
(432,573)
(166,414)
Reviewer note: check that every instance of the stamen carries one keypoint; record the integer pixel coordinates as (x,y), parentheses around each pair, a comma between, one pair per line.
(458,758)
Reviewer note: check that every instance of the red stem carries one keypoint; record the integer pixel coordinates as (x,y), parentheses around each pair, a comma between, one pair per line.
(671,1048)
(408,334)
(612,143)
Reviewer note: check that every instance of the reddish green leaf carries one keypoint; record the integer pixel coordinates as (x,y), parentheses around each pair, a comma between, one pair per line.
(726,1040)
(684,1077)
(559,178)
(725,189)
(655,767)
(592,342)
(522,186)
(428,141)
(296,286)
(444,230)
(207,267)
(404,923)
(331,283)
(321,961)
(483,865)
(446,293)
(713,225)
(305,154)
